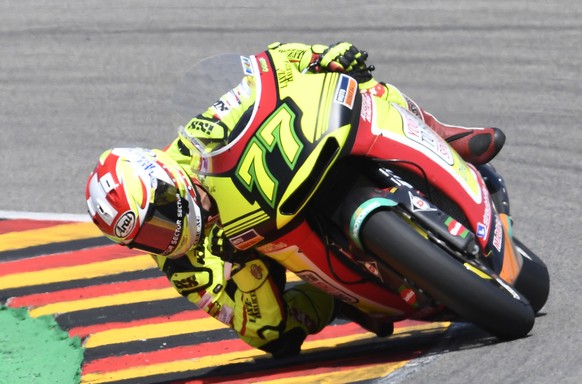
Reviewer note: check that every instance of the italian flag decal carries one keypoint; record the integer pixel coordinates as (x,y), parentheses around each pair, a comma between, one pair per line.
(456,228)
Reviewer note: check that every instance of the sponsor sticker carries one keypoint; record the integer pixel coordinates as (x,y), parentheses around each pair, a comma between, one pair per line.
(372,267)
(263,65)
(408,296)
(205,300)
(417,131)
(346,91)
(246,65)
(272,247)
(366,112)
(486,214)
(246,240)
(419,204)
(455,228)
(498,235)
(252,307)
(481,230)
(225,314)
(125,224)
(314,279)
(257,271)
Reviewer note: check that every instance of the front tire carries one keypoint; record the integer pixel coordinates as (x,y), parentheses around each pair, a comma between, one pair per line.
(488,303)
(534,279)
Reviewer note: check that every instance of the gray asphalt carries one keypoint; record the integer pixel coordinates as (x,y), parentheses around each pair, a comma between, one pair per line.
(77,77)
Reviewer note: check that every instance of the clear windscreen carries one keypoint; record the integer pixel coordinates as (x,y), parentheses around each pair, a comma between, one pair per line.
(201,87)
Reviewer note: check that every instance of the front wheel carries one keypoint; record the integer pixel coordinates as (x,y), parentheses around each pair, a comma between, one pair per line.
(484,300)
(534,279)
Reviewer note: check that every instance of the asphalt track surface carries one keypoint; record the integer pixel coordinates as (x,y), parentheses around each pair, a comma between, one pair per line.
(77,77)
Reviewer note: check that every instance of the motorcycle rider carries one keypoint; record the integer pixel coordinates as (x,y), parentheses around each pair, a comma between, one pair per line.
(151,200)
(148,200)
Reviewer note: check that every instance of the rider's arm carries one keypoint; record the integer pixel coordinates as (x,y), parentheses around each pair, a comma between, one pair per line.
(340,57)
(203,282)
(247,298)
(251,299)
(299,54)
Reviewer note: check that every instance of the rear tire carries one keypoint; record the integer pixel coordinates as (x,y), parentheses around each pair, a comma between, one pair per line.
(493,307)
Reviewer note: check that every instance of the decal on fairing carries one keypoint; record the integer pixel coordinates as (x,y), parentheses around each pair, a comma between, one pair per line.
(415,134)
(345,93)
(481,230)
(372,267)
(246,239)
(246,65)
(313,279)
(419,204)
(272,247)
(483,227)
(408,295)
(420,133)
(498,235)
(366,109)
(455,228)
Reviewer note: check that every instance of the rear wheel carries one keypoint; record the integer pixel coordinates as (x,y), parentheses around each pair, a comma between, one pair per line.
(486,301)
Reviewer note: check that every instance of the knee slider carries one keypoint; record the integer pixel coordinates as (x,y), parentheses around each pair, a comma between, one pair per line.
(289,344)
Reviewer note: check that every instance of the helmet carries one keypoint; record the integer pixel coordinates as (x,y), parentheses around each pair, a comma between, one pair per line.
(143,199)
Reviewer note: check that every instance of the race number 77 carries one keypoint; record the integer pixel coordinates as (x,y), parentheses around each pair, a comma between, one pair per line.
(253,169)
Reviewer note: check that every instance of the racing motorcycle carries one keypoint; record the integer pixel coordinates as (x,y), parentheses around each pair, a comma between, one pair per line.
(359,197)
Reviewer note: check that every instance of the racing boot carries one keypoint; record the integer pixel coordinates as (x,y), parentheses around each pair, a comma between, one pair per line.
(378,325)
(475,145)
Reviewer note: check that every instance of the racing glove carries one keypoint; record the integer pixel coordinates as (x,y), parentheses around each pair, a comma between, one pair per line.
(346,58)
(343,57)
(219,245)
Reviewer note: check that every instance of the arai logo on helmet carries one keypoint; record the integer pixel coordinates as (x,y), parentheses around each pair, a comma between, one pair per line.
(125,224)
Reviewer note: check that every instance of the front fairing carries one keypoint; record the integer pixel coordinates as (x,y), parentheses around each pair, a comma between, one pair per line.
(263,177)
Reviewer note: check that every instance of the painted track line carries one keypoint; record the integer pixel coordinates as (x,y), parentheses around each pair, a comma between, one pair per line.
(157,340)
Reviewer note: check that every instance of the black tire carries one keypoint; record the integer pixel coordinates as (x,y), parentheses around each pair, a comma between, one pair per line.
(534,279)
(493,307)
